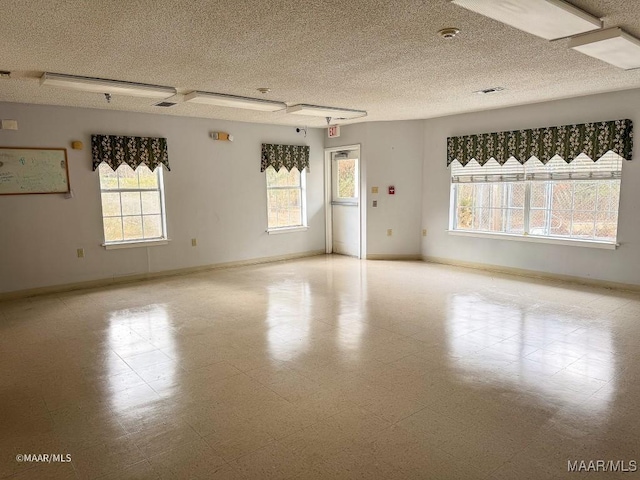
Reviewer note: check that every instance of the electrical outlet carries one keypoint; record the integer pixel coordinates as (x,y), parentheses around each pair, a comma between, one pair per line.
(375,203)
(194,242)
(80,252)
(389,232)
(424,232)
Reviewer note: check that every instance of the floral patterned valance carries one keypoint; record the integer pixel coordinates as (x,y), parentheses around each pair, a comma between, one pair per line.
(567,141)
(115,150)
(287,156)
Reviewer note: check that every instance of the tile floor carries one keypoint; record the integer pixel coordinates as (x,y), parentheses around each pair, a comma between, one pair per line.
(322,368)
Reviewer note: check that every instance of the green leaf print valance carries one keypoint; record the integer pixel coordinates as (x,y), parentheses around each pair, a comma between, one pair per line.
(114,150)
(567,141)
(287,156)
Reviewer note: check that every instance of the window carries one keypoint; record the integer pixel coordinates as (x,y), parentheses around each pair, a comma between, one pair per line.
(346,178)
(285,198)
(132,204)
(577,200)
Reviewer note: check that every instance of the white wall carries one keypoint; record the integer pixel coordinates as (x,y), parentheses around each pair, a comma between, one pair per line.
(215,192)
(392,154)
(622,265)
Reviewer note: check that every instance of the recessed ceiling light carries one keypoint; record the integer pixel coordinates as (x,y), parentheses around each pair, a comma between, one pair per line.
(264,90)
(101,85)
(550,19)
(233,101)
(490,90)
(448,33)
(612,45)
(5,74)
(318,111)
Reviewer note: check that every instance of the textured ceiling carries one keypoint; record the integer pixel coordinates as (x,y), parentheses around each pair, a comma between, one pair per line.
(381,56)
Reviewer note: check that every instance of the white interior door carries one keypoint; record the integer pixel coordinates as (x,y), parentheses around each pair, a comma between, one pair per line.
(345,203)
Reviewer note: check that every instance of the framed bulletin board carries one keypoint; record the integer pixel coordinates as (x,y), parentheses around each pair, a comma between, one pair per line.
(26,171)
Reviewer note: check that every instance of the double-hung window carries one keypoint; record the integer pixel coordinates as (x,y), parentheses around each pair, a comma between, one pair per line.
(132,204)
(286,199)
(574,201)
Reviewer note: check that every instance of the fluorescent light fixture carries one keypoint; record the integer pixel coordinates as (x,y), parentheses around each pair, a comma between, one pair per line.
(233,101)
(100,85)
(318,111)
(550,19)
(612,45)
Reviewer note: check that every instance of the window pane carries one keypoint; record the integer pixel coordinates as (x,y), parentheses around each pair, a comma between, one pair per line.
(130,203)
(110,204)
(562,195)
(585,196)
(283,178)
(515,221)
(147,178)
(152,226)
(108,178)
(127,177)
(608,195)
(151,202)
(132,228)
(538,222)
(539,191)
(516,195)
(284,208)
(583,224)
(112,229)
(607,226)
(347,178)
(560,223)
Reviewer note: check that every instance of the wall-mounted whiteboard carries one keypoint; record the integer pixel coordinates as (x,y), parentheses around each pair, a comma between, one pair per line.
(33,170)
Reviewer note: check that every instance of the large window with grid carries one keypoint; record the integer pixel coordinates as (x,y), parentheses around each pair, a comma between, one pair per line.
(132,204)
(577,200)
(285,198)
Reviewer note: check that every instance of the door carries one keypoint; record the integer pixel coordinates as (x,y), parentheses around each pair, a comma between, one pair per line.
(345,203)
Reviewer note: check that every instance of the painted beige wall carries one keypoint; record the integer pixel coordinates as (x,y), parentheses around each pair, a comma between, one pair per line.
(215,192)
(392,154)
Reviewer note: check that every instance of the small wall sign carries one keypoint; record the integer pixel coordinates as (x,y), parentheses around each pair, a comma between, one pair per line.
(333,131)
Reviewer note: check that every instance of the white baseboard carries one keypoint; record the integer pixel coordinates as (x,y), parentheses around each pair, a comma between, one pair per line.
(534,274)
(391,256)
(103,282)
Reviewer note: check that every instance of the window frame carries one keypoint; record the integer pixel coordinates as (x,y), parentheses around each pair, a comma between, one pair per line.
(303,204)
(528,210)
(142,242)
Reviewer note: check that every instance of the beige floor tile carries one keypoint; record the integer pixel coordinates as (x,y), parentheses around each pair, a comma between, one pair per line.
(194,460)
(327,367)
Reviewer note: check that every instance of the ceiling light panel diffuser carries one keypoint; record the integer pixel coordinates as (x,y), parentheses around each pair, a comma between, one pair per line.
(612,45)
(233,101)
(549,19)
(318,111)
(99,85)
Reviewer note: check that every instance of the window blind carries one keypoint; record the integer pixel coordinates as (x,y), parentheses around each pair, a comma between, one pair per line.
(609,166)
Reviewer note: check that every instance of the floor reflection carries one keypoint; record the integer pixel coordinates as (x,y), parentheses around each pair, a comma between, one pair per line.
(288,319)
(552,355)
(144,340)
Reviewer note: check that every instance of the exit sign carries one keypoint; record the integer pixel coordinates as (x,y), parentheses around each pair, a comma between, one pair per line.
(334,131)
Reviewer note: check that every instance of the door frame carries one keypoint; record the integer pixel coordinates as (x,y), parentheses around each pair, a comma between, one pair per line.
(328,218)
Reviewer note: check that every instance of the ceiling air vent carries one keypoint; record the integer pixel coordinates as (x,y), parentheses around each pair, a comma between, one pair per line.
(165,104)
(486,91)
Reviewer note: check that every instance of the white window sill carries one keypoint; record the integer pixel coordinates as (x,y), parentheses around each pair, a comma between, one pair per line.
(536,239)
(278,231)
(135,244)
